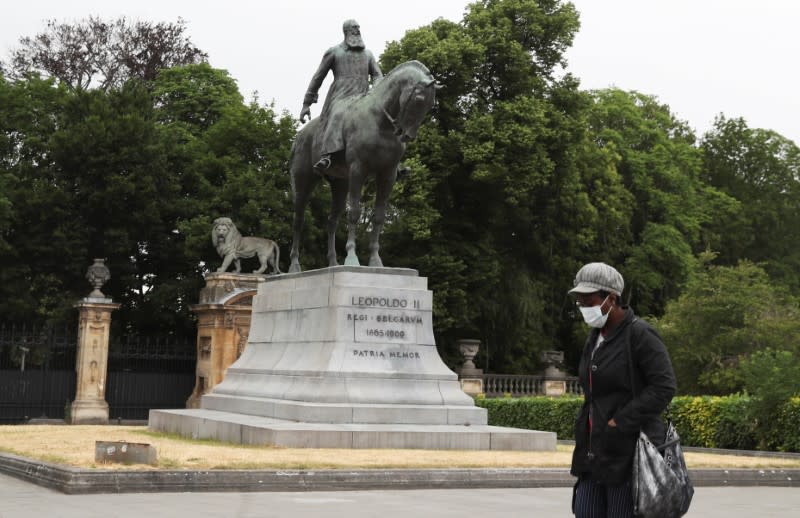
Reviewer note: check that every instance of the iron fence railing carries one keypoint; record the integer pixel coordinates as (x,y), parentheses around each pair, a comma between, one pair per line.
(37,372)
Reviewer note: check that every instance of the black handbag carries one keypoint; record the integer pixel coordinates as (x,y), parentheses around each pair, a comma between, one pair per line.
(660,480)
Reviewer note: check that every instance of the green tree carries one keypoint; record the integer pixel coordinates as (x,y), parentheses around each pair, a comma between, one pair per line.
(39,241)
(111,158)
(771,376)
(670,206)
(725,314)
(761,170)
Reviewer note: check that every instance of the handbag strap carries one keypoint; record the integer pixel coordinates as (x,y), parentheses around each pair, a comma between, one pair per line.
(630,358)
(631,374)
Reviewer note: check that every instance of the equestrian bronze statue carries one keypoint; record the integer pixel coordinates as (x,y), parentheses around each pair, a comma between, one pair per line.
(374,130)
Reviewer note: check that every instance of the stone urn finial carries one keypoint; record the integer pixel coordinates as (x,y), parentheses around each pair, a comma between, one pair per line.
(97,275)
(553,360)
(469,348)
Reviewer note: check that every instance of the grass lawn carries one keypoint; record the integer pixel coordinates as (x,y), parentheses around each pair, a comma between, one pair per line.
(74,446)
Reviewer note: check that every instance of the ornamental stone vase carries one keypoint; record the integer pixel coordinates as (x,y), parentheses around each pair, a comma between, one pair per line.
(469,348)
(97,275)
(552,361)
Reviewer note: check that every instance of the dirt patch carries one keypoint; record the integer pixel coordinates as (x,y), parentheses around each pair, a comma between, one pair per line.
(74,446)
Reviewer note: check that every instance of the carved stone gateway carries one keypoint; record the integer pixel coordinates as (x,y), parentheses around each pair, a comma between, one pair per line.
(223,324)
(344,357)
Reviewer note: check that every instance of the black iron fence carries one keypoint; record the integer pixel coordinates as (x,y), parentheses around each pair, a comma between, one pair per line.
(37,373)
(37,370)
(148,372)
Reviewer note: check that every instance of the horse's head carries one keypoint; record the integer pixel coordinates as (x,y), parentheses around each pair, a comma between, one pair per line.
(412,97)
(415,101)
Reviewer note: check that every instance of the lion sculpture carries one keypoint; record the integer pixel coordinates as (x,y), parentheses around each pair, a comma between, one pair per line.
(232,247)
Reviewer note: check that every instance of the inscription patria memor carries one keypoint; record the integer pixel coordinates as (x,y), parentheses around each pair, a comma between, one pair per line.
(372,353)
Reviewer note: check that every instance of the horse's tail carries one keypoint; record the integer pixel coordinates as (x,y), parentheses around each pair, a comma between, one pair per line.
(291,160)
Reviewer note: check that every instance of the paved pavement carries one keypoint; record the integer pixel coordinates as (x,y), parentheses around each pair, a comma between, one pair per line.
(21,499)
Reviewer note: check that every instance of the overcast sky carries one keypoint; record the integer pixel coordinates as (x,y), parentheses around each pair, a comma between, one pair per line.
(701,57)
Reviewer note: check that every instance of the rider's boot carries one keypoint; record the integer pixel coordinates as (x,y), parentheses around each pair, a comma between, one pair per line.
(322,166)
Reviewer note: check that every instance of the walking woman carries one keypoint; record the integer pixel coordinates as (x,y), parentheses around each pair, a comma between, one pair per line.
(609,421)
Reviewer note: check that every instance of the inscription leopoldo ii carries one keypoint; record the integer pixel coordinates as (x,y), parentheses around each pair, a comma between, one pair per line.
(383,302)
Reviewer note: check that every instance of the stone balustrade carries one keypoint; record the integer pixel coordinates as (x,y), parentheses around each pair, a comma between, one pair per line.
(517,385)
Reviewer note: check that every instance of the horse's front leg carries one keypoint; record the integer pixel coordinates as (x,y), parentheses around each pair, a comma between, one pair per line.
(338,202)
(383,187)
(353,213)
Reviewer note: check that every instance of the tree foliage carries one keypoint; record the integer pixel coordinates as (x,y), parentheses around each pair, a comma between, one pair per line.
(761,170)
(103,54)
(36,260)
(771,376)
(726,314)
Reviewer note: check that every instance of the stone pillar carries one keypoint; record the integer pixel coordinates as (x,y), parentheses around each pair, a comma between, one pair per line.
(223,325)
(470,376)
(91,363)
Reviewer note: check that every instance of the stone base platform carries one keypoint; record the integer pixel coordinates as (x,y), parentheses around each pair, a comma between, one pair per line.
(257,430)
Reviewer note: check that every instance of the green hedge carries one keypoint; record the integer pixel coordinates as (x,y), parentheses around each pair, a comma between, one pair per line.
(535,413)
(707,421)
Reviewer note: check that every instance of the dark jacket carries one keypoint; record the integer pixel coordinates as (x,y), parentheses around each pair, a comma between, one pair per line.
(607,455)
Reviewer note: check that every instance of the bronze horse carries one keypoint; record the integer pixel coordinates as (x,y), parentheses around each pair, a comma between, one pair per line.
(376,128)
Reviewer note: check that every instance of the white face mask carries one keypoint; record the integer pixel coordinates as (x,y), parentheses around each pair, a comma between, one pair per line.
(593,316)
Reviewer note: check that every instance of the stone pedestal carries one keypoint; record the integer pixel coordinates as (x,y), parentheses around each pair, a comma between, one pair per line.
(470,376)
(344,357)
(223,325)
(555,383)
(555,387)
(89,406)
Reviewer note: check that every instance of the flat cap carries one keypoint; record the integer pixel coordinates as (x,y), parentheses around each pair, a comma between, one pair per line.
(594,277)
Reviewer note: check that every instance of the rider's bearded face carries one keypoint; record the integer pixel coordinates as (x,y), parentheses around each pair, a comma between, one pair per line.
(352,37)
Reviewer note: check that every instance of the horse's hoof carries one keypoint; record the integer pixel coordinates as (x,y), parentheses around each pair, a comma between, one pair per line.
(294,268)
(375,262)
(351,260)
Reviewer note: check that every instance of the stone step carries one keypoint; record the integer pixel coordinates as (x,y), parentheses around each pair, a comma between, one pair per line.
(346,413)
(256,430)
